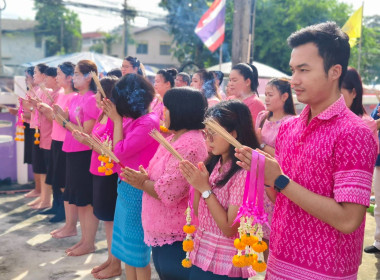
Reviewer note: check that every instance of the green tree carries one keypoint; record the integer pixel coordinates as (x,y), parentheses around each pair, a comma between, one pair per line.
(60,27)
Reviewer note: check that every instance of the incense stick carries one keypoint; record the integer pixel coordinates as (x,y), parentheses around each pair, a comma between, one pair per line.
(98,85)
(79,123)
(105,149)
(45,90)
(161,139)
(222,132)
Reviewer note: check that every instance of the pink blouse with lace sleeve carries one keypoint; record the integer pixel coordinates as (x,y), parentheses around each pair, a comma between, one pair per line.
(164,218)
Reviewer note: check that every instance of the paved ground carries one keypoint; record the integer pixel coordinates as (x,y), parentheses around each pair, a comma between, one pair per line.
(27,250)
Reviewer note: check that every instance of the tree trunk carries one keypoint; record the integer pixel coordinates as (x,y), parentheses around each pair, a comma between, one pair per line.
(240,33)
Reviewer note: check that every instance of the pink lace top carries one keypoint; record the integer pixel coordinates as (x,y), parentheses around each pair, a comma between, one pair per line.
(163,218)
(213,251)
(333,155)
(269,133)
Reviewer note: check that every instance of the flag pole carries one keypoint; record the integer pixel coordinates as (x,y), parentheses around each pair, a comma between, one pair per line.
(220,57)
(360,42)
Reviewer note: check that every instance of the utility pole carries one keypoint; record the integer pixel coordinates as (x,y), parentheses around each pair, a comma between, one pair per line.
(240,33)
(125,29)
(252,29)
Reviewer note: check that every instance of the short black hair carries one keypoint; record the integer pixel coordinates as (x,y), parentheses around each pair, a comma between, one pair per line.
(169,75)
(51,71)
(108,83)
(332,43)
(187,107)
(132,95)
(185,77)
(115,72)
(249,71)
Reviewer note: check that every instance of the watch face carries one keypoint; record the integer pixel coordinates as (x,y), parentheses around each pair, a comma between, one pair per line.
(281,182)
(206,194)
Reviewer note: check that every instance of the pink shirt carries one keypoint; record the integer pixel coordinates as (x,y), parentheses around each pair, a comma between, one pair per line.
(83,106)
(34,114)
(137,147)
(163,218)
(212,101)
(45,124)
(334,156)
(255,105)
(158,107)
(372,125)
(63,100)
(213,251)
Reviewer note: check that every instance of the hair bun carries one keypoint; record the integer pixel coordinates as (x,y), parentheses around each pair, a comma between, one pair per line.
(172,71)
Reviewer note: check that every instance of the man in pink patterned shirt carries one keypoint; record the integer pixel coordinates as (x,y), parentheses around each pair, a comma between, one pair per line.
(327,154)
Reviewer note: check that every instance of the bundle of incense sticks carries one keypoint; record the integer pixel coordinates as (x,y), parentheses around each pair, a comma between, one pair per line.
(79,123)
(98,85)
(96,142)
(213,125)
(46,91)
(161,139)
(62,119)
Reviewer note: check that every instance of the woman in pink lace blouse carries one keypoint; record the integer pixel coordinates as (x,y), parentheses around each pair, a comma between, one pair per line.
(280,108)
(166,191)
(218,196)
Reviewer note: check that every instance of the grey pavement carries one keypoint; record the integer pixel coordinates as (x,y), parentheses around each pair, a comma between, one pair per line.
(27,251)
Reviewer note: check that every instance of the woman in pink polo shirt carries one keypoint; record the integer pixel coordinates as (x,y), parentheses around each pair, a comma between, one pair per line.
(243,84)
(81,115)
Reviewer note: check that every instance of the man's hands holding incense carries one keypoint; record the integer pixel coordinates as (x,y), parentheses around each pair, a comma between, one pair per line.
(272,168)
(197,177)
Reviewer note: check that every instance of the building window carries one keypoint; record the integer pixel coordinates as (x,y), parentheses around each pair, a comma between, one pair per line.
(142,48)
(165,48)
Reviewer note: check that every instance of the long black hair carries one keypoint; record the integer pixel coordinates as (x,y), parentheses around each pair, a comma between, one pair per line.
(232,115)
(283,86)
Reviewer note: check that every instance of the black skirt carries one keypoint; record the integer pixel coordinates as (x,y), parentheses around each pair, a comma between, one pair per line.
(56,175)
(104,196)
(28,143)
(78,189)
(38,160)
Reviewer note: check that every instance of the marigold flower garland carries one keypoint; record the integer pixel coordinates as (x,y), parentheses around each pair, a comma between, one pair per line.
(20,125)
(37,136)
(188,243)
(252,216)
(106,163)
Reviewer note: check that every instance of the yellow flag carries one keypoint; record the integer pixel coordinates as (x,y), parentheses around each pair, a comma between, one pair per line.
(353,26)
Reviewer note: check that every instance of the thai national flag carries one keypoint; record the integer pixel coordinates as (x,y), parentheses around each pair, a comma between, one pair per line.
(210,28)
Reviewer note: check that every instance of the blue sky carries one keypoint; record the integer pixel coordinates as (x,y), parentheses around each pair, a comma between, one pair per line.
(90,19)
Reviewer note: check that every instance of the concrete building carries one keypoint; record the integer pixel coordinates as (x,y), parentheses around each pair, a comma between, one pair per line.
(19,44)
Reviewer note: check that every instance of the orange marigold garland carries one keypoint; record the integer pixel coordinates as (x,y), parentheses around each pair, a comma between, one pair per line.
(164,129)
(188,243)
(252,216)
(20,125)
(37,136)
(106,163)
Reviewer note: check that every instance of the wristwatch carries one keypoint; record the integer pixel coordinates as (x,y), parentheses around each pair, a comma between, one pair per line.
(281,182)
(262,146)
(206,194)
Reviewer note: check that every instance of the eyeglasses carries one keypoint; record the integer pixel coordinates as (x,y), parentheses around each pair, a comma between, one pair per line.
(207,134)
